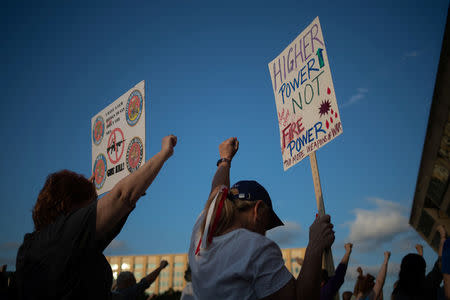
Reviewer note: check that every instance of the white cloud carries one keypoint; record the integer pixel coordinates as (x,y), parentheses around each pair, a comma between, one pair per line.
(371,228)
(361,93)
(287,234)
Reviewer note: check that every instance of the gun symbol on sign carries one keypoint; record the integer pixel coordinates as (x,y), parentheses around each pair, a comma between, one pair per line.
(114,147)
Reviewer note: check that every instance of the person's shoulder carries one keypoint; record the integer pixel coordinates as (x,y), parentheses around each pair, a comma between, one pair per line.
(255,236)
(90,208)
(251,235)
(262,239)
(31,242)
(257,242)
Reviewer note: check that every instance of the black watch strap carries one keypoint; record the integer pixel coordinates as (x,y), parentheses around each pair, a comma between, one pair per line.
(222,160)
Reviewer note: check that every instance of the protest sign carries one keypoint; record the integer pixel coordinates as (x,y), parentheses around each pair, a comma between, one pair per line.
(118,139)
(308,115)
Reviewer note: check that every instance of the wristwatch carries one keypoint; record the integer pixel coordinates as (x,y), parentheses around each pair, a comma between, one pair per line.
(222,160)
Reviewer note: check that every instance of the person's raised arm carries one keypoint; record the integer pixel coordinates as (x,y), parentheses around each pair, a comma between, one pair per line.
(227,150)
(381,277)
(358,282)
(123,197)
(335,282)
(150,278)
(348,250)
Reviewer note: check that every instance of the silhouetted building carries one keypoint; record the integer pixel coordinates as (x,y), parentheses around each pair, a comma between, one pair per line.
(431,205)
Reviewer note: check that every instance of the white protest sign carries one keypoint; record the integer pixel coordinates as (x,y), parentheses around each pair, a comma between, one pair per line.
(308,115)
(118,139)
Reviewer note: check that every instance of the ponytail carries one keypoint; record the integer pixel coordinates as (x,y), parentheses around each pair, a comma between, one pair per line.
(219,214)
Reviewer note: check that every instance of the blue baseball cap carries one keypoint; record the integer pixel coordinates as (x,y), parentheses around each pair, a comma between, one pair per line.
(252,191)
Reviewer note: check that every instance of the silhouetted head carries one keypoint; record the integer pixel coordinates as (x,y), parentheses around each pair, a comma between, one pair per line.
(247,205)
(62,193)
(187,274)
(125,280)
(412,272)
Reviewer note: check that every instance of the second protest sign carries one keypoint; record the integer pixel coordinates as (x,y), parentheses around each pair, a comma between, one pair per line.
(118,139)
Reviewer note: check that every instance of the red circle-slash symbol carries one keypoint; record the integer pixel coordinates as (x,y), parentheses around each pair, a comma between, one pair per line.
(116,144)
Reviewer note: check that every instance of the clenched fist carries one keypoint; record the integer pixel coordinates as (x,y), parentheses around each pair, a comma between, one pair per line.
(228,148)
(167,145)
(163,264)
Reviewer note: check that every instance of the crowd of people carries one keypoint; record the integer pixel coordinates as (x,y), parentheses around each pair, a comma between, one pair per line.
(230,256)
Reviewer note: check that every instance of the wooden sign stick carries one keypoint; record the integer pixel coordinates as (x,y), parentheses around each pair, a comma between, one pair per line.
(327,258)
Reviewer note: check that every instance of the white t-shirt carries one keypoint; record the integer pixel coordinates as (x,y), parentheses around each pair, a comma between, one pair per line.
(240,264)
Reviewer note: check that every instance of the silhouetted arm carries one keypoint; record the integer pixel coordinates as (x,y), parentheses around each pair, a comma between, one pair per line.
(123,197)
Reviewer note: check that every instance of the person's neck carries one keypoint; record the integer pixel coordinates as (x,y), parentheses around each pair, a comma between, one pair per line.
(237,224)
(231,228)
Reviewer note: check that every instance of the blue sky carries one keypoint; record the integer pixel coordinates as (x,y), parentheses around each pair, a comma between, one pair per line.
(205,65)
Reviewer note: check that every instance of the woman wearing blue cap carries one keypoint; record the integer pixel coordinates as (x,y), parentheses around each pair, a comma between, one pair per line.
(230,256)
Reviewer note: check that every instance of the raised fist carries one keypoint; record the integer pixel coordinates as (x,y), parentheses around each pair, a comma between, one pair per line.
(228,148)
(360,271)
(348,247)
(167,145)
(163,264)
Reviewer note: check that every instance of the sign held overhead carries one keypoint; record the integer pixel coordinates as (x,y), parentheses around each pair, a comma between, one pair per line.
(118,139)
(308,114)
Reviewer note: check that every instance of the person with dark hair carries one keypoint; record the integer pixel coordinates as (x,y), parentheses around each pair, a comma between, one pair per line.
(229,254)
(367,289)
(128,289)
(419,249)
(412,283)
(63,258)
(331,285)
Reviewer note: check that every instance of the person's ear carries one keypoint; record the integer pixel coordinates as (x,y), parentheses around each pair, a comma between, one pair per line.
(257,210)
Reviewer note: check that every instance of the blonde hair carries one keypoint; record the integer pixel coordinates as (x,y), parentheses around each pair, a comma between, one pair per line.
(229,213)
